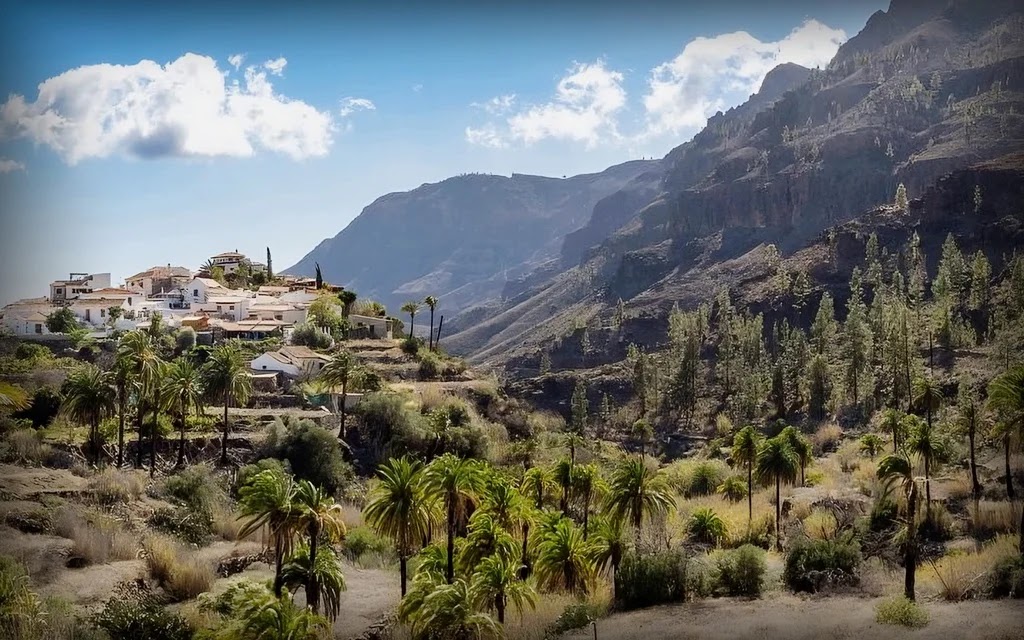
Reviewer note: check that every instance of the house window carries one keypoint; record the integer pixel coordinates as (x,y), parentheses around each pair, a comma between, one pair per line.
(278,316)
(39,328)
(88,315)
(231,308)
(219,308)
(195,293)
(103,313)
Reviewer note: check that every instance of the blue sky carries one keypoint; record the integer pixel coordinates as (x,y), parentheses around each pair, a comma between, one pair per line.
(141,150)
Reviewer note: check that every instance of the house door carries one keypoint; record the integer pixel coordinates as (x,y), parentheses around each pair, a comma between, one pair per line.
(88,317)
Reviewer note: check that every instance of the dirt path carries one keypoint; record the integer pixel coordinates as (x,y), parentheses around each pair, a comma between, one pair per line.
(371,594)
(790,617)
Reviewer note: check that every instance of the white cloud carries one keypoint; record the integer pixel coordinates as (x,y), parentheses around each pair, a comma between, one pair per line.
(236,60)
(276,67)
(351,105)
(497,105)
(584,109)
(416,88)
(7,165)
(184,108)
(685,91)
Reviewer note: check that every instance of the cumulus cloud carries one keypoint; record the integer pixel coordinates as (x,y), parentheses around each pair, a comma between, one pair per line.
(497,105)
(276,67)
(683,92)
(7,165)
(351,105)
(185,108)
(416,88)
(584,109)
(236,60)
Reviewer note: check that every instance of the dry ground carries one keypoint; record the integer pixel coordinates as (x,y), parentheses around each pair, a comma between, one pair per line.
(792,617)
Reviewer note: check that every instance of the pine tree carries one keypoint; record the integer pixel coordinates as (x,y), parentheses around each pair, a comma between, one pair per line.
(580,406)
(545,363)
(872,261)
(902,203)
(818,387)
(856,337)
(620,314)
(823,331)
(952,277)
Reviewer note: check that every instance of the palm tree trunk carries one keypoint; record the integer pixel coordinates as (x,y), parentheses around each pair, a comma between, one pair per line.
(412,324)
(586,515)
(278,566)
(524,572)
(152,439)
(449,572)
(778,513)
(910,553)
(431,337)
(181,442)
(344,395)
(499,605)
(750,492)
(140,420)
(1006,459)
(224,439)
(94,440)
(312,586)
(120,430)
(403,570)
(1020,545)
(927,489)
(975,485)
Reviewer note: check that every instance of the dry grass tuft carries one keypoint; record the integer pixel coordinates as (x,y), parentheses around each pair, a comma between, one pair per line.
(991,517)
(98,541)
(865,478)
(826,438)
(113,486)
(820,525)
(27,447)
(175,568)
(351,515)
(534,623)
(961,575)
(432,397)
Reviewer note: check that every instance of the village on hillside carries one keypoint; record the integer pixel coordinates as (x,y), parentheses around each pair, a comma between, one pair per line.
(229,297)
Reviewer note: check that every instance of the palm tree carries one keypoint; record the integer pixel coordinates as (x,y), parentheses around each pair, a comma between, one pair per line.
(744,451)
(227,379)
(319,515)
(1002,431)
(1006,397)
(927,396)
(447,611)
(642,432)
(871,444)
(564,559)
(969,420)
(562,474)
(348,298)
(88,398)
(431,302)
(537,483)
(891,422)
(206,270)
(123,383)
(343,370)
(776,462)
(586,482)
(136,348)
(608,545)
(510,508)
(411,308)
(325,574)
(485,537)
(398,508)
(266,499)
(801,447)
(13,397)
(182,393)
(454,481)
(496,583)
(635,491)
(897,469)
(706,526)
(277,617)
(922,442)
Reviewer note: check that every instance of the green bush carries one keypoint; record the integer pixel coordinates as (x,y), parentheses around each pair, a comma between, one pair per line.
(1006,579)
(196,487)
(705,526)
(362,540)
(430,366)
(733,489)
(575,616)
(249,471)
(741,572)
(644,580)
(44,407)
(411,346)
(142,617)
(901,611)
(307,335)
(313,453)
(192,526)
(32,352)
(706,478)
(884,513)
(812,565)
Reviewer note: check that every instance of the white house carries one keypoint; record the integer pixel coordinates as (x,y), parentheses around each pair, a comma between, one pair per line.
(199,289)
(291,361)
(27,317)
(268,308)
(77,284)
(230,261)
(227,306)
(371,326)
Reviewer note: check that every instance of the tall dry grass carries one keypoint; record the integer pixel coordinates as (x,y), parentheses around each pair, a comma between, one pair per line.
(533,624)
(733,514)
(175,568)
(826,438)
(113,486)
(992,517)
(961,575)
(97,539)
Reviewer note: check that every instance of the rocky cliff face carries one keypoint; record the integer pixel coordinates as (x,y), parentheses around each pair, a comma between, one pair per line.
(927,88)
(463,238)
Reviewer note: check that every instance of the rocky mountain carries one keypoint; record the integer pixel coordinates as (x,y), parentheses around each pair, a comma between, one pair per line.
(927,88)
(461,239)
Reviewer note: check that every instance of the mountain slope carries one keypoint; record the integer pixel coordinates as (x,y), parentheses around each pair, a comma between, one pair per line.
(925,88)
(462,238)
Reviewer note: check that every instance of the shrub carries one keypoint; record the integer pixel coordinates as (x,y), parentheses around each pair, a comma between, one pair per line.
(812,565)
(113,486)
(185,339)
(430,366)
(411,346)
(958,575)
(644,580)
(938,525)
(705,526)
(24,446)
(195,487)
(360,541)
(759,533)
(189,525)
(826,438)
(1006,579)
(36,520)
(99,541)
(733,489)
(575,616)
(741,572)
(900,611)
(31,351)
(141,617)
(820,525)
(705,478)
(177,569)
(306,335)
(44,407)
(249,471)
(993,517)
(313,453)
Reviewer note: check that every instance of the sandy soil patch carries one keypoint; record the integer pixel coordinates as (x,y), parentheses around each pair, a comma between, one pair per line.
(25,482)
(791,617)
(93,584)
